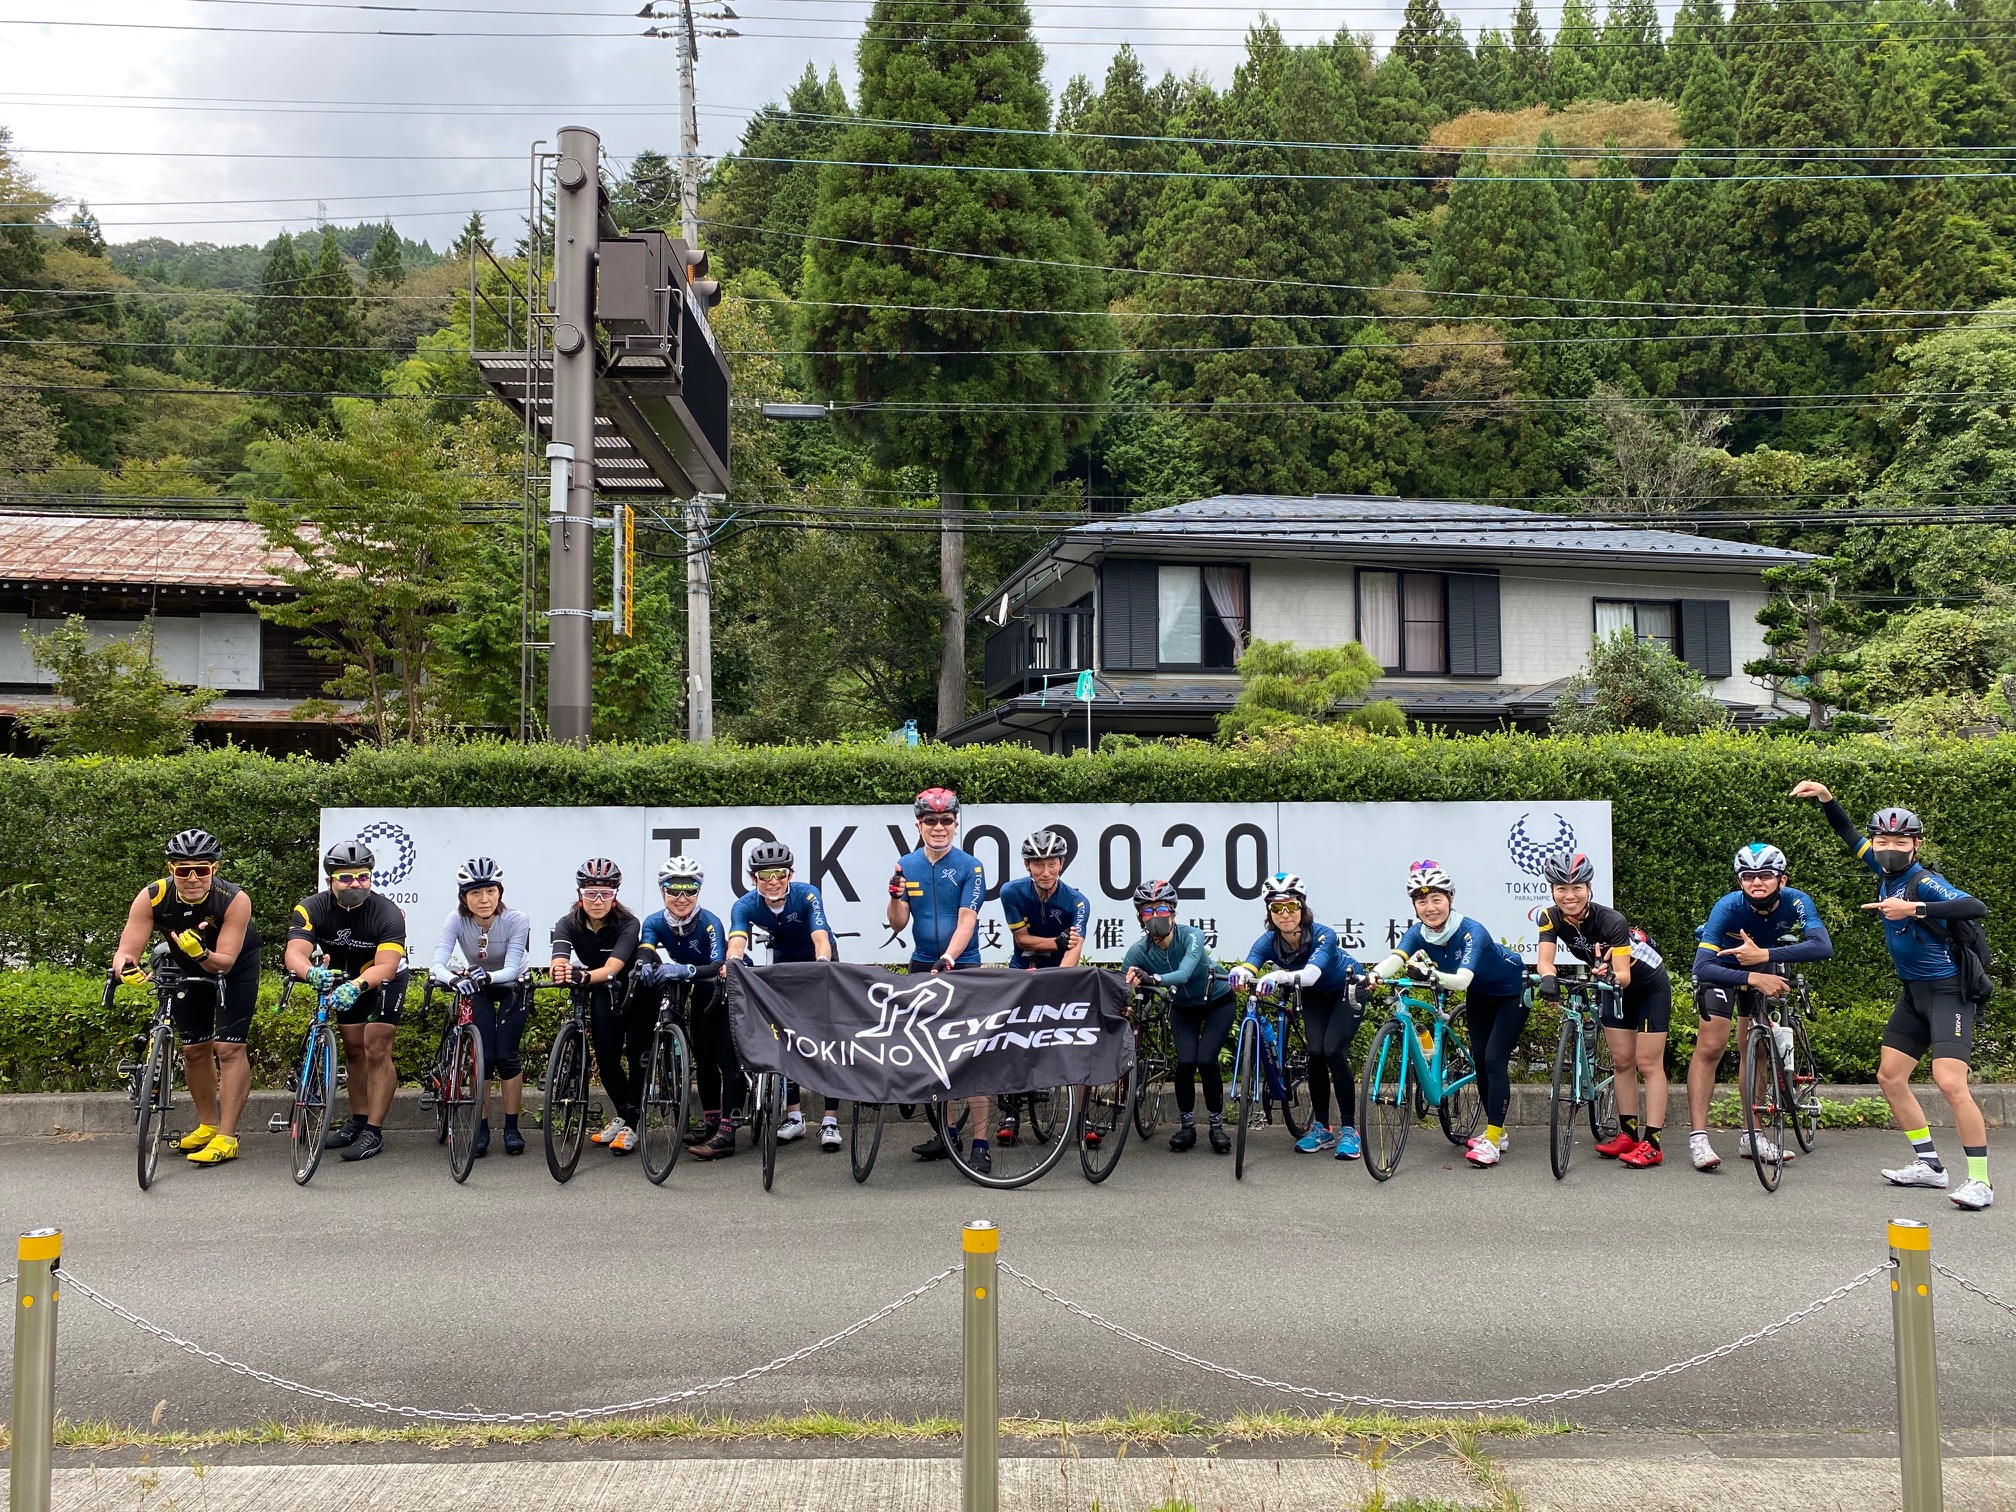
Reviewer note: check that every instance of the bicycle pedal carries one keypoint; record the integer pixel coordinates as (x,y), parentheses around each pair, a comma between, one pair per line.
(277,1124)
(428,1101)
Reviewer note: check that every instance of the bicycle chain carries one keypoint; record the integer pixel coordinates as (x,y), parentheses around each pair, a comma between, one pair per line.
(1537,1399)
(435,1415)
(1965,1285)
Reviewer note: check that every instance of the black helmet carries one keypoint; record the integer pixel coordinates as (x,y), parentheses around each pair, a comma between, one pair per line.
(1154,894)
(600,872)
(478,871)
(1897,821)
(771,853)
(194,845)
(1565,868)
(1045,845)
(349,855)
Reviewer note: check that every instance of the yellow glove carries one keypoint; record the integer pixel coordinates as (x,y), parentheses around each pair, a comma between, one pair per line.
(191,944)
(132,973)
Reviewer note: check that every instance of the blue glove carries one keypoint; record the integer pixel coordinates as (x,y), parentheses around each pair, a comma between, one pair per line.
(677,971)
(322,978)
(344,997)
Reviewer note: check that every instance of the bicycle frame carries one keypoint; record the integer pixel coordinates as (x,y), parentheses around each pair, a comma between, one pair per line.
(1269,1080)
(1428,1068)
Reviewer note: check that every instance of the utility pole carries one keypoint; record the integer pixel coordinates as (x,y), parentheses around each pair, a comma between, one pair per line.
(699,625)
(571,519)
(687,35)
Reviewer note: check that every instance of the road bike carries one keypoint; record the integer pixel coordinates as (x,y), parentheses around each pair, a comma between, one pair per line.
(150,1081)
(1270,1069)
(452,1087)
(314,1079)
(1583,1074)
(1780,1082)
(1031,1132)
(864,1136)
(567,1112)
(1154,1058)
(1417,1057)
(667,1099)
(767,1093)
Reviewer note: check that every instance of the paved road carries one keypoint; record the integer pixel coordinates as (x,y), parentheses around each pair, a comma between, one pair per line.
(513,1293)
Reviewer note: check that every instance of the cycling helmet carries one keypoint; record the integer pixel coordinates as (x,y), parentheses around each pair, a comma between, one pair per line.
(1759,857)
(1565,868)
(349,855)
(1045,845)
(935,801)
(680,869)
(1284,885)
(1429,877)
(1150,894)
(478,871)
(194,845)
(1897,821)
(771,853)
(600,872)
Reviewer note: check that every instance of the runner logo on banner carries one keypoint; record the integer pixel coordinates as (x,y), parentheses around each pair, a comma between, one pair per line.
(872,1036)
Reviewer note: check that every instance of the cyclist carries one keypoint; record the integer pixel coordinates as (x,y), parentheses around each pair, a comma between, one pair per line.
(362,937)
(690,944)
(1461,955)
(491,941)
(1636,1017)
(1933,1009)
(1295,950)
(794,916)
(208,924)
(1732,971)
(939,888)
(1201,1010)
(595,945)
(1046,915)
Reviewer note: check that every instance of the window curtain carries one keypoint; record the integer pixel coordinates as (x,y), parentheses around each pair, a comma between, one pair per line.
(1226,588)
(1379,616)
(1422,603)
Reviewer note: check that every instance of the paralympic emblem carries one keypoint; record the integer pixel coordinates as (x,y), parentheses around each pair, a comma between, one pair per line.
(1529,854)
(917,1008)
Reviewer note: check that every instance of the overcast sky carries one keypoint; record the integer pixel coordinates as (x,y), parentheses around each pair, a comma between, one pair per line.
(120,114)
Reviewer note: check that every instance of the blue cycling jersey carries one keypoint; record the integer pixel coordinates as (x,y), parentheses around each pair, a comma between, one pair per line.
(1918,950)
(937,890)
(790,926)
(1320,948)
(1183,963)
(1471,947)
(1053,917)
(703,942)
(1788,926)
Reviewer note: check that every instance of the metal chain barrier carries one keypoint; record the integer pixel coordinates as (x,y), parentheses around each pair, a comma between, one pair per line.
(1968,1286)
(1538,1399)
(432,1415)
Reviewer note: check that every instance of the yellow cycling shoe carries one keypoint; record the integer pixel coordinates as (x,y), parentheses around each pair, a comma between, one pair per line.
(197,1137)
(224,1147)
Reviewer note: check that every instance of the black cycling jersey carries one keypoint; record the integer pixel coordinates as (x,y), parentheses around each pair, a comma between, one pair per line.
(172,916)
(1602,933)
(593,946)
(350,937)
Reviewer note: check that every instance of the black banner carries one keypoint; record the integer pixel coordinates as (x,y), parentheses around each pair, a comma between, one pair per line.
(871,1035)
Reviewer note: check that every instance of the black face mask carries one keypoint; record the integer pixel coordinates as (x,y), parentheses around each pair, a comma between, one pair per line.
(1161,929)
(1895,863)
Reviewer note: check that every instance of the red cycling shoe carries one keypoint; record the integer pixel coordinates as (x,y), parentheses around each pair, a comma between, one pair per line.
(1618,1145)
(1643,1156)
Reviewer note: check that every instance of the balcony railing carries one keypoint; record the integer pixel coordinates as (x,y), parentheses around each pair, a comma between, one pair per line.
(1037,645)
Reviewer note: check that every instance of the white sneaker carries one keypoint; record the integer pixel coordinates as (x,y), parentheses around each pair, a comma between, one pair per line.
(1974,1196)
(792,1128)
(1481,1152)
(829,1133)
(1771,1151)
(1703,1153)
(609,1132)
(1918,1174)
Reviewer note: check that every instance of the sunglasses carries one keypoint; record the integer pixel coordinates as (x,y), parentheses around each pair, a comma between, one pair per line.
(679,889)
(1159,911)
(598,895)
(773,874)
(193,873)
(1754,876)
(349,879)
(934,821)
(1284,906)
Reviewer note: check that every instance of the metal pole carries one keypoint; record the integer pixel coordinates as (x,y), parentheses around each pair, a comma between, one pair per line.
(699,626)
(689,129)
(29,1470)
(1917,1369)
(570,615)
(980,1473)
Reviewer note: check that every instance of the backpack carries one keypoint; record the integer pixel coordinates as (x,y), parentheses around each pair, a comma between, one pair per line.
(1969,942)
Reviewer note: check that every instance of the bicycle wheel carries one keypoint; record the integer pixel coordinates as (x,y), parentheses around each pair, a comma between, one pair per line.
(864,1137)
(1805,1089)
(462,1096)
(667,1102)
(310,1124)
(1103,1126)
(1049,1120)
(564,1119)
(1385,1114)
(437,1080)
(770,1106)
(1152,1061)
(1461,1112)
(1561,1100)
(1763,1108)
(1245,1092)
(157,1092)
(1294,1071)
(1603,1124)
(1042,1111)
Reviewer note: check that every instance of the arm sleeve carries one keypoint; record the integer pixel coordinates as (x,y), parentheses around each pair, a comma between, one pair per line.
(1817,945)
(1456,981)
(1392,966)
(1193,958)
(444,950)
(517,944)
(1943,900)
(1708,967)
(1327,955)
(1851,836)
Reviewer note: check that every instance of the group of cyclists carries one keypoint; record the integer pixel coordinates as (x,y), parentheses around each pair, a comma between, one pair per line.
(350,943)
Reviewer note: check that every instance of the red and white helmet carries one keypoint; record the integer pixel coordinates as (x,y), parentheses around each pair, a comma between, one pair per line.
(936,800)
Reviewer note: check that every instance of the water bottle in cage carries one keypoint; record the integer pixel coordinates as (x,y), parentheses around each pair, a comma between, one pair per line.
(1781,1036)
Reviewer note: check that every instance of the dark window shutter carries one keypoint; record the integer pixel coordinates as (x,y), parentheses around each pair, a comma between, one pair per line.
(1704,636)
(1473,625)
(1127,641)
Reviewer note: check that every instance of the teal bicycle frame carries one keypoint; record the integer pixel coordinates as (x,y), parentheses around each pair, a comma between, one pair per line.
(1583,1075)
(1402,1077)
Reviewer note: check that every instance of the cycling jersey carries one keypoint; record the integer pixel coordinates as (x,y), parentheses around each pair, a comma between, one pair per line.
(497,948)
(1320,948)
(351,937)
(703,943)
(615,939)
(1919,952)
(1494,970)
(1183,964)
(937,890)
(790,926)
(1056,916)
(206,916)
(1603,935)
(1788,926)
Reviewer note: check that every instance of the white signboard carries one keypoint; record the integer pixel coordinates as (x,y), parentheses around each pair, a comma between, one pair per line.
(1353,857)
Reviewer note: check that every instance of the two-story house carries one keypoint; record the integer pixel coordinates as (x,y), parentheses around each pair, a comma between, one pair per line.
(1478,613)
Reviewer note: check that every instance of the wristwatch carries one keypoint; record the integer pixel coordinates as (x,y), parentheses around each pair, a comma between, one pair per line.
(1919,913)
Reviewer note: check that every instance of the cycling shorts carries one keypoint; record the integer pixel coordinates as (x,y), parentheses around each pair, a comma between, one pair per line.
(1932,1016)
(1713,1000)
(381,1005)
(1645,1007)
(198,1019)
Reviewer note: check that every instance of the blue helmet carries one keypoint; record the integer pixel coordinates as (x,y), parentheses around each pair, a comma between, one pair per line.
(1759,857)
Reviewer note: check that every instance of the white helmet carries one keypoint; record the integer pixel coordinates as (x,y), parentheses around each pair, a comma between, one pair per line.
(681,869)
(1758,857)
(1284,885)
(1045,845)
(1427,877)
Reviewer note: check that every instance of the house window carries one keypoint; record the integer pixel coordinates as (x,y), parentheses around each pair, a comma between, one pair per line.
(1173,616)
(1645,619)
(1179,617)
(1403,620)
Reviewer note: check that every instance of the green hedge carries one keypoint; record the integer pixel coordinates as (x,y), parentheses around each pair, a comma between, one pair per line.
(77,837)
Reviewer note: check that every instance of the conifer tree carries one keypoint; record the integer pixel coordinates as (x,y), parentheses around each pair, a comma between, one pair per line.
(755,214)
(386,268)
(1697,28)
(1574,71)
(276,317)
(1118,123)
(1709,114)
(1494,87)
(1529,57)
(331,353)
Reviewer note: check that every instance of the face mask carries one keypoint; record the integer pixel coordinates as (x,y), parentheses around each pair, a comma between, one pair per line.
(1161,929)
(350,897)
(1895,863)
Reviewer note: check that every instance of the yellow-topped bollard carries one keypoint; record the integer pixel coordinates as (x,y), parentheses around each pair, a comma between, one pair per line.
(980,1437)
(30,1465)
(1917,1367)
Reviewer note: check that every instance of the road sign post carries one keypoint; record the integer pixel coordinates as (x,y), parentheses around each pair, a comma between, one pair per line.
(31,1453)
(980,1437)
